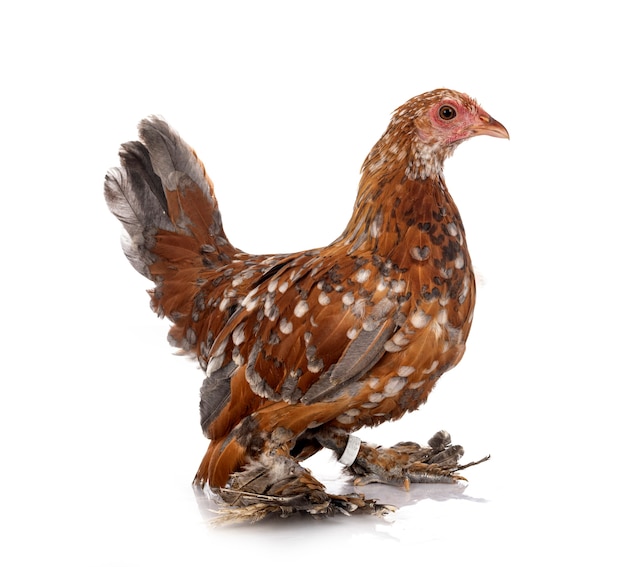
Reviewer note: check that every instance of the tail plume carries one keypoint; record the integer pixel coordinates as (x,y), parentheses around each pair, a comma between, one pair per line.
(173,228)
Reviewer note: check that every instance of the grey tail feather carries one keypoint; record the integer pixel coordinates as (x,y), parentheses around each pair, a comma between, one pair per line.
(170,155)
(135,195)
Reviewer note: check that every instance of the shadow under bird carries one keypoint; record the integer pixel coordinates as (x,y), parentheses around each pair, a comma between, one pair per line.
(300,350)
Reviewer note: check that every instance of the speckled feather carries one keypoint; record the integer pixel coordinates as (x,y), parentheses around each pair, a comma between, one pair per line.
(327,340)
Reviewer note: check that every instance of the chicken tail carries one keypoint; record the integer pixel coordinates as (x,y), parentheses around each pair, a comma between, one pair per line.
(173,228)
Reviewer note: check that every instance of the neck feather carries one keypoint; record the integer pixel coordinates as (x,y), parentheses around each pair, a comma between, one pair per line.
(401,184)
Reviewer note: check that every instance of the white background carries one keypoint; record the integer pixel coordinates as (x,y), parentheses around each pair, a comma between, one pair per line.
(282,100)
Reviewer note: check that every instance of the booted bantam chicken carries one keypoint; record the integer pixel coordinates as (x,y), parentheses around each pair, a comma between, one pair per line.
(300,350)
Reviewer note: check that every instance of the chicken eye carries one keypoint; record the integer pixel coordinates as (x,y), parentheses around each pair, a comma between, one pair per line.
(447,112)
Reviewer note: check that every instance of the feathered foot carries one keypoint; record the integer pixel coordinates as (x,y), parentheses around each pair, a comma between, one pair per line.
(408,462)
(279,486)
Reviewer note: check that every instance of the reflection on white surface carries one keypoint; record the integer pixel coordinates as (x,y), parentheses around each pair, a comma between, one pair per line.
(209,505)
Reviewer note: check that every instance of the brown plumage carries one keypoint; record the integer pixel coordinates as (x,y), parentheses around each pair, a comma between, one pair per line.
(300,350)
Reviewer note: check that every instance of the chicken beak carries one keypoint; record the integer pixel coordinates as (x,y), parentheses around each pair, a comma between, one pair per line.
(488,126)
